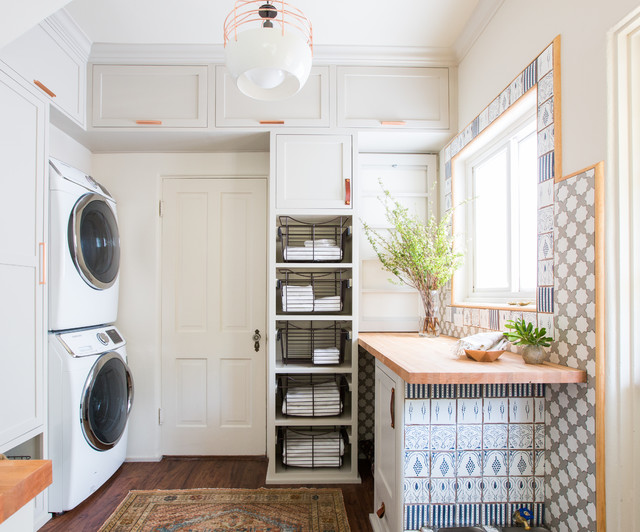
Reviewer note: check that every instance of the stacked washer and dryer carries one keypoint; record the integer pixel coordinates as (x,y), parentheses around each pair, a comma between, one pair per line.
(90,385)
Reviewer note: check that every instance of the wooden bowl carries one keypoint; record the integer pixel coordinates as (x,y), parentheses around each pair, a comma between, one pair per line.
(483,356)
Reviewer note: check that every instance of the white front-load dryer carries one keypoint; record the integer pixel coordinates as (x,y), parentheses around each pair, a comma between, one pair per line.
(90,397)
(84,250)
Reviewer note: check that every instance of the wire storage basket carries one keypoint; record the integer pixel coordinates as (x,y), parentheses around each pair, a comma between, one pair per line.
(320,292)
(312,343)
(302,241)
(312,395)
(313,447)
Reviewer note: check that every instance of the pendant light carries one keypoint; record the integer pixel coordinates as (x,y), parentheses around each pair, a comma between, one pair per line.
(268,48)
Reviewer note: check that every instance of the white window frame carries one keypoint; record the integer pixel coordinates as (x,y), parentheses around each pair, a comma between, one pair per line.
(518,123)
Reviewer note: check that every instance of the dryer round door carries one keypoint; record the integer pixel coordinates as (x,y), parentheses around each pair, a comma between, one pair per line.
(106,401)
(94,241)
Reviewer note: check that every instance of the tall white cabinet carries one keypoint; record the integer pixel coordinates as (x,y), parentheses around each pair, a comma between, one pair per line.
(312,178)
(23,122)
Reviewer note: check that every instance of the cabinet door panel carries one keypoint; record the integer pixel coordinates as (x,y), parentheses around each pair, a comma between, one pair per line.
(21,231)
(312,172)
(149,96)
(386,451)
(393,97)
(41,56)
(308,108)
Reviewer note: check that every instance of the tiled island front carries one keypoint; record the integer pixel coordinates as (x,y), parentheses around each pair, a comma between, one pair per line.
(463,445)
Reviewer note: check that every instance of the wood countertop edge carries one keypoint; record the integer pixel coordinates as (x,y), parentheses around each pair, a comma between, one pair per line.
(21,481)
(546,373)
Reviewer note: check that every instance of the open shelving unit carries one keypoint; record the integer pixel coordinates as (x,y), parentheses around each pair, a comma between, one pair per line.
(290,227)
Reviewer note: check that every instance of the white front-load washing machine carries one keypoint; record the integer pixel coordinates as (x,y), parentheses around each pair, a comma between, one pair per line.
(90,397)
(84,250)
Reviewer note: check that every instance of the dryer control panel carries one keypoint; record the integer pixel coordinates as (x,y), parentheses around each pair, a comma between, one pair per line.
(86,342)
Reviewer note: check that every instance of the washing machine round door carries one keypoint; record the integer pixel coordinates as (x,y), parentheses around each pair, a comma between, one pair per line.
(106,401)
(94,241)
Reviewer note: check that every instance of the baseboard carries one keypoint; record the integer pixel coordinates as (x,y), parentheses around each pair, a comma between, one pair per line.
(143,459)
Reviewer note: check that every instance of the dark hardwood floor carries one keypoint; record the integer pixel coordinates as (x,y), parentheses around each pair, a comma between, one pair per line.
(185,473)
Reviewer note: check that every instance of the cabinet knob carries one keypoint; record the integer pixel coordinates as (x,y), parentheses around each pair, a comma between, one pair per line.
(380,511)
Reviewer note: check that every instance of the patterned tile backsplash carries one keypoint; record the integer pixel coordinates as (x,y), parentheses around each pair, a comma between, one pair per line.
(473,453)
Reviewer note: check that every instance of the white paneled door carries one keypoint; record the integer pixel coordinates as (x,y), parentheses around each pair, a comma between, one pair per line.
(214,268)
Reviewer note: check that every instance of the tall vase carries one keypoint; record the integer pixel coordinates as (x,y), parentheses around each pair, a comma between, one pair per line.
(429,322)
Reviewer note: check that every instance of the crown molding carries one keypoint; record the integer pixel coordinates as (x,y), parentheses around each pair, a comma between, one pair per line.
(479,20)
(65,27)
(214,53)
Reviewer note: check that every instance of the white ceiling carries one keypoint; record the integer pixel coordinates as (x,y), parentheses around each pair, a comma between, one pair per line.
(396,23)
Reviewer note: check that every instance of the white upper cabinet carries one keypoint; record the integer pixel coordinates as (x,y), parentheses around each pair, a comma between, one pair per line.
(393,97)
(314,171)
(308,108)
(43,58)
(147,96)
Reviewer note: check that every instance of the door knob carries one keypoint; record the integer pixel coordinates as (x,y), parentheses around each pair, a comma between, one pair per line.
(256,339)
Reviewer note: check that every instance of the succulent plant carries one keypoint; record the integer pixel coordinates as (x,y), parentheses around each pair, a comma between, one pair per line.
(523,333)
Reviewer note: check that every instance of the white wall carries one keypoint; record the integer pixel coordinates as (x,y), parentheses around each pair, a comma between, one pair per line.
(135,182)
(519,31)
(63,147)
(18,17)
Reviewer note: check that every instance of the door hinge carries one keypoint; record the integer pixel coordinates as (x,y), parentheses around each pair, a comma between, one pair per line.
(160,417)
(160,209)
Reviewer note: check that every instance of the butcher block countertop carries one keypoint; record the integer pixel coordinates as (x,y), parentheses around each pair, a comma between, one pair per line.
(430,361)
(21,481)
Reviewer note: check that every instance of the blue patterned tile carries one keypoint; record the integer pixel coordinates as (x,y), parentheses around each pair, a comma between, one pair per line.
(417,391)
(521,436)
(545,246)
(483,119)
(494,463)
(495,436)
(447,170)
(546,140)
(417,411)
(545,114)
(545,88)
(443,464)
(538,489)
(469,411)
(529,76)
(545,193)
(469,490)
(546,166)
(545,299)
(416,437)
(415,516)
(443,515)
(469,463)
(545,220)
(546,322)
(475,127)
(545,273)
(443,490)
(516,89)
(540,465)
(443,391)
(495,489)
(539,407)
(416,490)
(495,390)
(495,514)
(545,61)
(470,437)
(416,464)
(469,390)
(520,464)
(505,100)
(468,514)
(493,320)
(521,390)
(496,410)
(494,109)
(521,489)
(443,437)
(443,411)
(521,410)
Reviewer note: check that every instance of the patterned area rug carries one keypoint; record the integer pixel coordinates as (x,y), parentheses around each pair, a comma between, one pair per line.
(230,510)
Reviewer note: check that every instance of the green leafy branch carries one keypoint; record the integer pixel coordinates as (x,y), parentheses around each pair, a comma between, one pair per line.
(523,333)
(421,255)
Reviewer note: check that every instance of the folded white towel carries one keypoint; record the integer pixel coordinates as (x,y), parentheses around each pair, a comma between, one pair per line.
(480,342)
(297,298)
(322,253)
(320,242)
(328,304)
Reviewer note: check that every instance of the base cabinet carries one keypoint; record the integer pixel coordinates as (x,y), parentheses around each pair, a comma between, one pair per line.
(387,494)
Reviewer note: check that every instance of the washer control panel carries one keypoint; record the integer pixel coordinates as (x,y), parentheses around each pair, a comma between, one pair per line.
(92,341)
